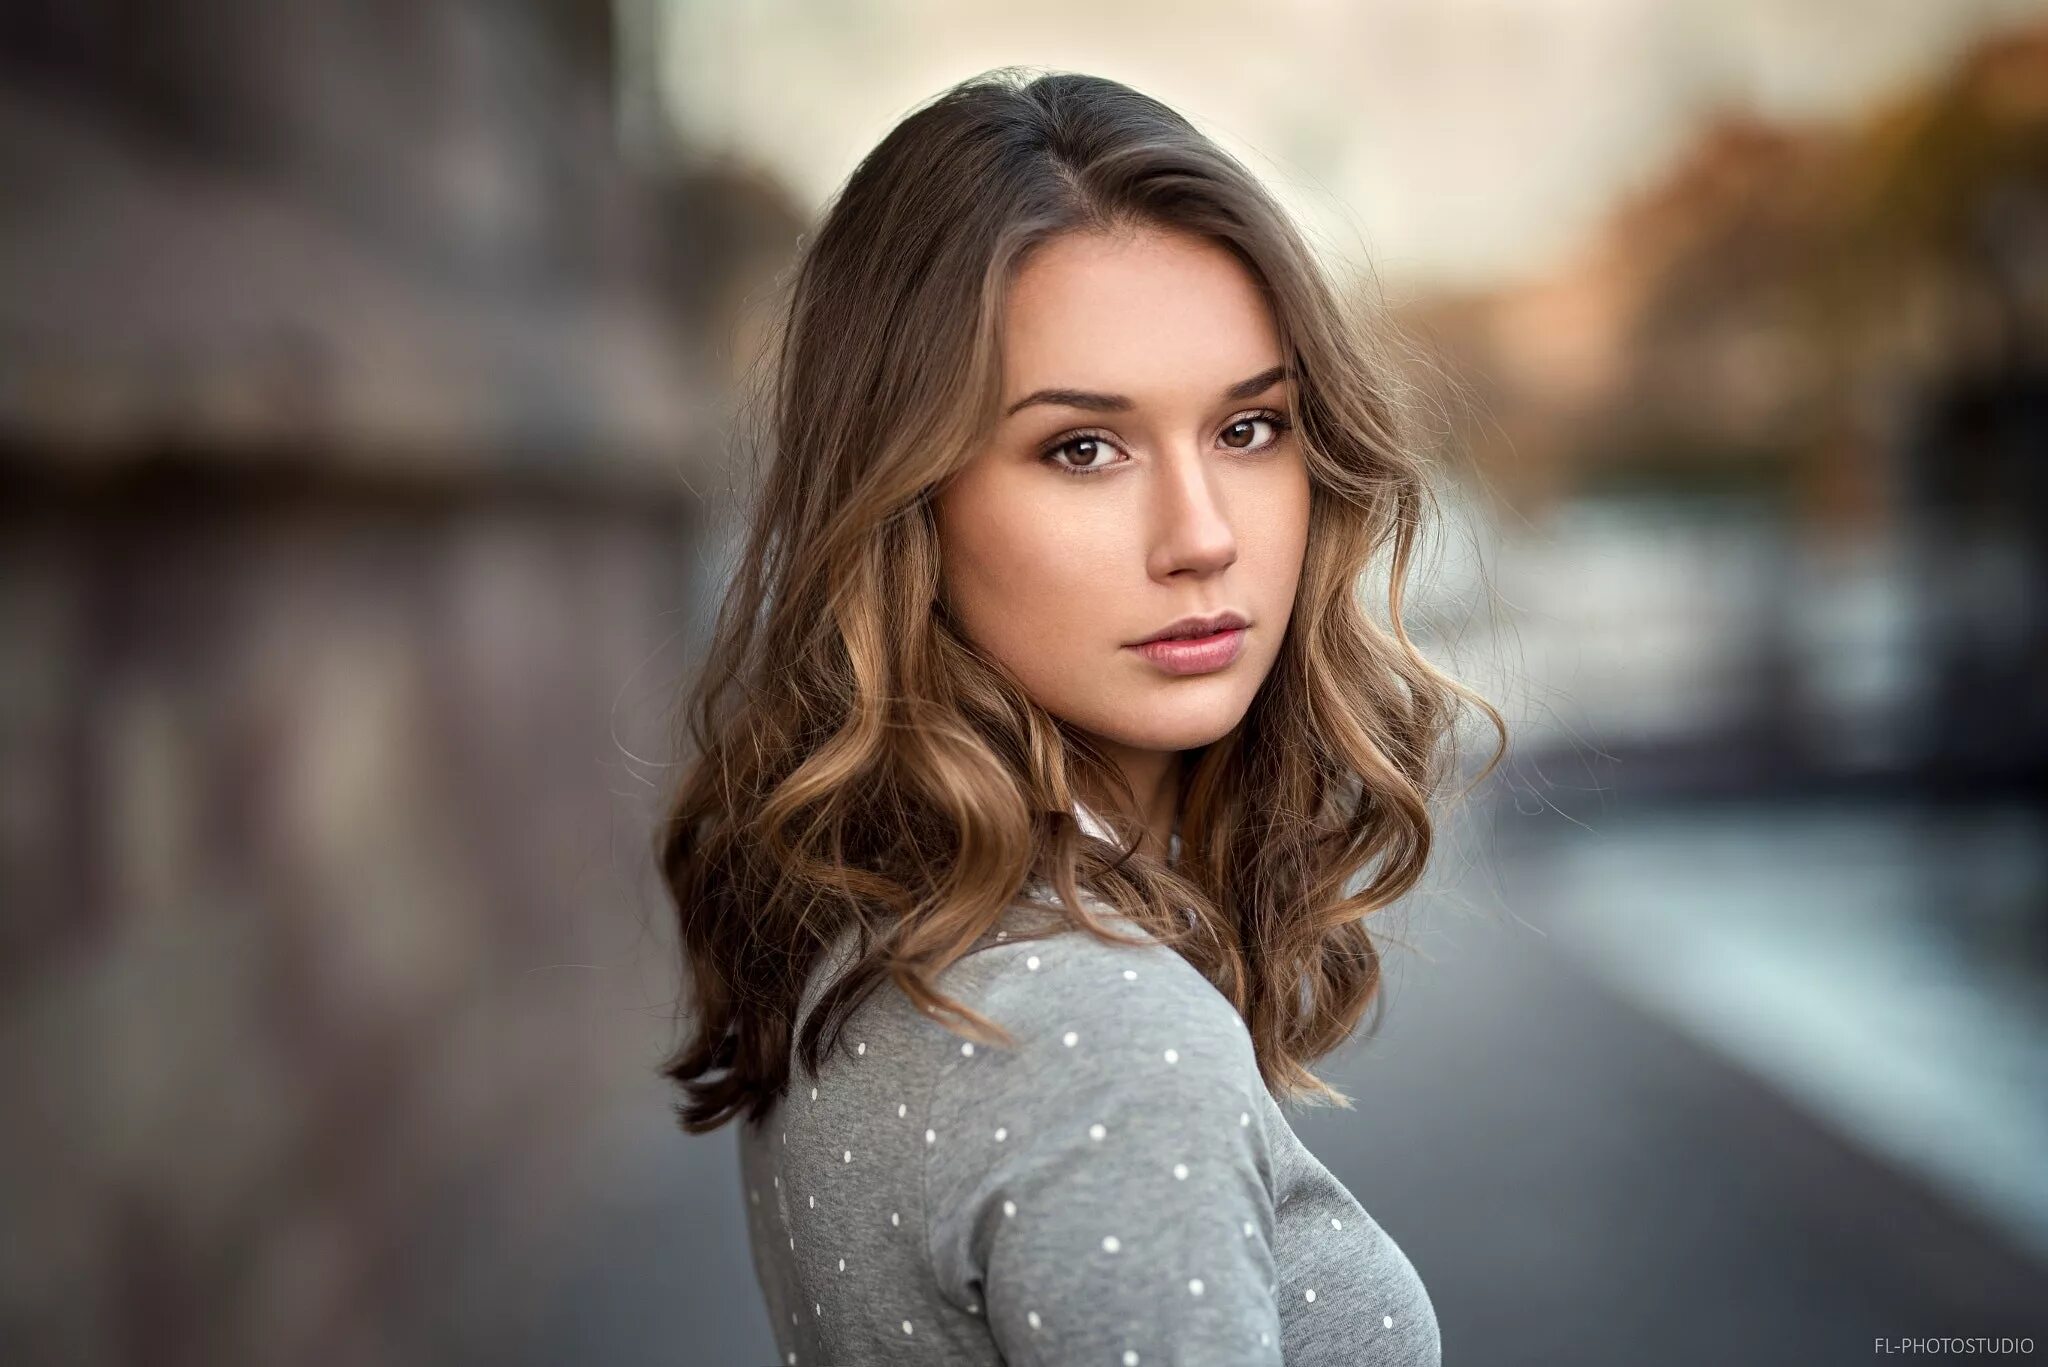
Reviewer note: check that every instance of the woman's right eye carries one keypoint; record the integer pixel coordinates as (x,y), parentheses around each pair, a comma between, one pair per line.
(1086,448)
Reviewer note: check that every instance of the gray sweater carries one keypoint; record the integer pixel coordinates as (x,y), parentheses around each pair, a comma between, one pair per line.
(1120,1188)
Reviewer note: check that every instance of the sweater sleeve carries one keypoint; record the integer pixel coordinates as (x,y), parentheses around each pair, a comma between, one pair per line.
(1103,1191)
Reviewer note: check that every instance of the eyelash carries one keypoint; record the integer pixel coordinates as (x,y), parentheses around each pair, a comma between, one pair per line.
(1280,423)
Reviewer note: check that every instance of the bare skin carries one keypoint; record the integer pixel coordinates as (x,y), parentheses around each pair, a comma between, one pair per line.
(1195,499)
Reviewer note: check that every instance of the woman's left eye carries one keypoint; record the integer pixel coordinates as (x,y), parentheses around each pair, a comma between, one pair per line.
(1278,423)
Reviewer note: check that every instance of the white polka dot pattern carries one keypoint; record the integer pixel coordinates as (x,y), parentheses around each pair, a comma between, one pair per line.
(1133,1209)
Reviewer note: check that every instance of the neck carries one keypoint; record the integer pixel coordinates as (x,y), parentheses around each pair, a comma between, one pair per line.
(1155,780)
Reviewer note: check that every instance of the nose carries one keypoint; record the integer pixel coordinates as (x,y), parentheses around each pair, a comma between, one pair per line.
(1194,533)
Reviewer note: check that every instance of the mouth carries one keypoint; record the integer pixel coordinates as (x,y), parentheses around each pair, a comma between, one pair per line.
(1196,645)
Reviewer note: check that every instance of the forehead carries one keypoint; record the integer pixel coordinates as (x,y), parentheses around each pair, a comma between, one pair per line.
(1150,312)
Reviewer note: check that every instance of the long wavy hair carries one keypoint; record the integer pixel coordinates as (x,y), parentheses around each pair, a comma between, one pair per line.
(855,764)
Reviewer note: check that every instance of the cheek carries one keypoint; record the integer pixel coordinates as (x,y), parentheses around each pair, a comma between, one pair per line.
(1027,584)
(1273,538)
(1296,532)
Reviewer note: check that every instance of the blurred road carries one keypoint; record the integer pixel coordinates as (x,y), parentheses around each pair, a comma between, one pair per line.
(1581,1183)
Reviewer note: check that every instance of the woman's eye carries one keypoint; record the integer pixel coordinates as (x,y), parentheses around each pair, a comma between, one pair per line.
(1278,425)
(1083,451)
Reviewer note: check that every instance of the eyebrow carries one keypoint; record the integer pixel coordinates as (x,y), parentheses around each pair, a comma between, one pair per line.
(1118,403)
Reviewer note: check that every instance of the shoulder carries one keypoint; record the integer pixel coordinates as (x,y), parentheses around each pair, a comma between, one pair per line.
(1082,1016)
(1082,1012)
(1072,971)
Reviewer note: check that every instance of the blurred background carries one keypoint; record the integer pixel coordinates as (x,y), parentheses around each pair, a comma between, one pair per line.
(368,473)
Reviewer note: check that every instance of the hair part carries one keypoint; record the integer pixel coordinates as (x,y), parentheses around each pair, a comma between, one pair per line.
(858,765)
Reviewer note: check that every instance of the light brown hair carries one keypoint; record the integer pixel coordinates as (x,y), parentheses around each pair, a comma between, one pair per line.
(857,764)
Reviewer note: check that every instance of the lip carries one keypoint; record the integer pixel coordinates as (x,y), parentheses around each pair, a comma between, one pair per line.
(1207,624)
(1197,654)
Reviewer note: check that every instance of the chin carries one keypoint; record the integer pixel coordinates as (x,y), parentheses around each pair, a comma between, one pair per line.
(1170,724)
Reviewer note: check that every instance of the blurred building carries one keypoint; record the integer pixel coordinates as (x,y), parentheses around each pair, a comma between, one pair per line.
(359,419)
(1814,362)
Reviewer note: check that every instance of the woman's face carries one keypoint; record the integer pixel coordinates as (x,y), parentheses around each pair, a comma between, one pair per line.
(1150,364)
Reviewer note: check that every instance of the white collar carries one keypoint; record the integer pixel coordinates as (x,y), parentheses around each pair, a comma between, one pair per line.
(1092,825)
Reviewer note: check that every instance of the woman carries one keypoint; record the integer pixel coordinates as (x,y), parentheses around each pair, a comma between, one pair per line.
(1041,736)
